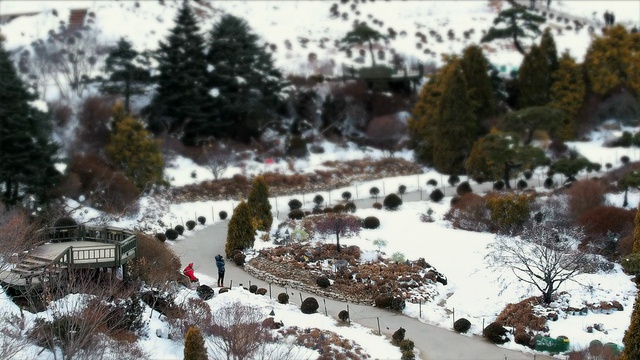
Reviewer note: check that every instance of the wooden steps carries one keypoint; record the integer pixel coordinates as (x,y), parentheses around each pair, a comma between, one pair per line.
(76,18)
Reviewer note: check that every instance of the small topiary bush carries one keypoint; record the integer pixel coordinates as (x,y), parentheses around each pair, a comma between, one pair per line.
(309,306)
(495,333)
(398,304)
(462,325)
(377,206)
(162,237)
(343,315)
(402,189)
(436,195)
(383,301)
(498,185)
(283,298)
(625,159)
(296,214)
(548,183)
(323,282)
(179,229)
(327,210)
(190,224)
(205,292)
(453,180)
(261,291)
(406,345)
(350,207)
(295,204)
(171,234)
(339,208)
(374,191)
(239,258)
(223,290)
(202,220)
(432,182)
(318,200)
(253,289)
(317,211)
(222,214)
(464,188)
(398,336)
(392,202)
(371,222)
(521,184)
(528,174)
(346,196)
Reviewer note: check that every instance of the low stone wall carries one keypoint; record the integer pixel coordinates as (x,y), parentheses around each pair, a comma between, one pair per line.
(268,271)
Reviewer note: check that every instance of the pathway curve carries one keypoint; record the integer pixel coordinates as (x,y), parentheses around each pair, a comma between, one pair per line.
(433,342)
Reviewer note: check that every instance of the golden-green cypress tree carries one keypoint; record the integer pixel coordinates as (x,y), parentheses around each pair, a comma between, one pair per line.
(636,233)
(133,150)
(631,338)
(475,69)
(259,204)
(423,117)
(548,46)
(119,114)
(194,345)
(533,79)
(567,94)
(240,233)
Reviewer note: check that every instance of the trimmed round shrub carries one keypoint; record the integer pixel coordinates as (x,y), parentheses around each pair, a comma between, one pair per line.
(383,301)
(327,210)
(548,183)
(392,202)
(253,289)
(283,298)
(190,224)
(402,189)
(371,222)
(261,291)
(377,206)
(205,292)
(407,345)
(171,234)
(595,347)
(528,174)
(309,305)
(495,333)
(479,179)
(550,173)
(296,214)
(179,229)
(202,220)
(238,259)
(295,204)
(453,180)
(521,184)
(223,290)
(222,214)
(346,196)
(398,304)
(398,336)
(65,221)
(350,207)
(338,208)
(162,237)
(462,325)
(318,200)
(307,213)
(317,211)
(625,159)
(498,185)
(436,195)
(343,315)
(323,282)
(432,182)
(374,191)
(464,188)
(608,165)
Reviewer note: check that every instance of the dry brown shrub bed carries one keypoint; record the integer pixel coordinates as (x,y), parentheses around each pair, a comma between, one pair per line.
(414,281)
(329,344)
(341,174)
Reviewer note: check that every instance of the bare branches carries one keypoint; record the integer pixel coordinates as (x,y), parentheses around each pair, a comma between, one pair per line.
(216,157)
(16,234)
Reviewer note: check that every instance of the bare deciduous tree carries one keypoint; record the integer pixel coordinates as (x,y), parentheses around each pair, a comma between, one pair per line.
(17,234)
(541,256)
(386,132)
(237,331)
(216,158)
(12,339)
(338,224)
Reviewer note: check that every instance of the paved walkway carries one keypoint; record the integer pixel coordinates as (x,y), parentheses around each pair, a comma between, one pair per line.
(434,343)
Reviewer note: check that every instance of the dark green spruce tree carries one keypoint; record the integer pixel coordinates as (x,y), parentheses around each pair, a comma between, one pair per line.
(27,154)
(244,78)
(182,95)
(128,73)
(534,79)
(475,68)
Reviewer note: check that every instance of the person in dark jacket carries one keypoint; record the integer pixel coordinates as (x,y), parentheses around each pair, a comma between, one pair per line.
(190,273)
(220,266)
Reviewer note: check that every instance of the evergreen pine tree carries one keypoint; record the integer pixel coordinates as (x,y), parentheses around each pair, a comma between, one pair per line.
(126,76)
(240,233)
(245,80)
(27,155)
(631,338)
(475,68)
(258,202)
(526,121)
(613,60)
(534,79)
(636,233)
(548,46)
(567,94)
(182,95)
(132,150)
(514,23)
(456,128)
(362,34)
(194,348)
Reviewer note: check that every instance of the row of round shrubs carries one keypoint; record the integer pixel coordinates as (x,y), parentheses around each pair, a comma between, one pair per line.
(309,305)
(388,301)
(297,213)
(172,234)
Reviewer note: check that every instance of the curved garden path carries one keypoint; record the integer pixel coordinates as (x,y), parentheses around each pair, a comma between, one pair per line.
(433,342)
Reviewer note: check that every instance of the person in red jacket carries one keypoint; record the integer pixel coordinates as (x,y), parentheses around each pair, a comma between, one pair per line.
(189,272)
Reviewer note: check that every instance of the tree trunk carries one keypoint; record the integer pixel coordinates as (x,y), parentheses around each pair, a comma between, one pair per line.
(127,93)
(546,297)
(338,241)
(373,59)
(529,137)
(625,202)
(505,175)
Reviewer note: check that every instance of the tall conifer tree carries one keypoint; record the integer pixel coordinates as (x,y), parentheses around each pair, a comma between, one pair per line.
(182,94)
(631,338)
(240,234)
(259,204)
(567,94)
(244,78)
(533,79)
(475,68)
(27,154)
